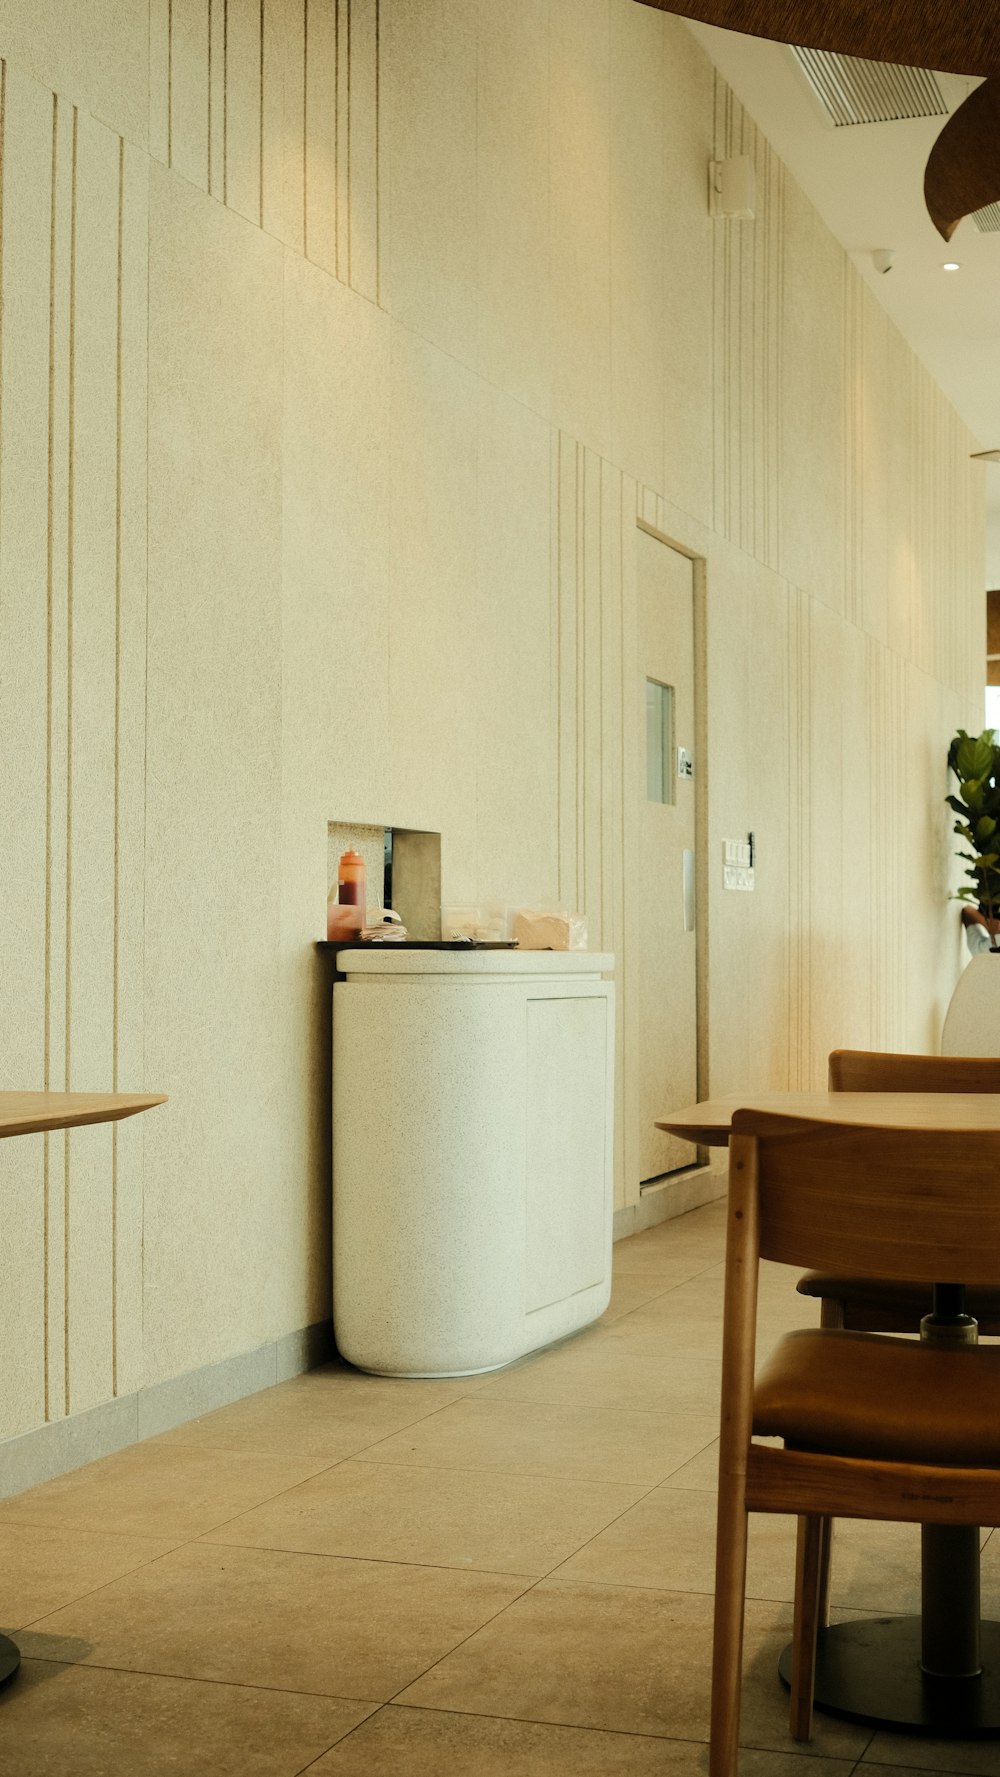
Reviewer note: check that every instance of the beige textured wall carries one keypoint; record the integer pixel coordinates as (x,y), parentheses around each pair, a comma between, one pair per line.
(403,313)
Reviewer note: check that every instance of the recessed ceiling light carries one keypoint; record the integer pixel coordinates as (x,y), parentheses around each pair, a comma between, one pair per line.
(951,265)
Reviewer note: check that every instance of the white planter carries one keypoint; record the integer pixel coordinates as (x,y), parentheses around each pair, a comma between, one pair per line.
(473,1097)
(972,1023)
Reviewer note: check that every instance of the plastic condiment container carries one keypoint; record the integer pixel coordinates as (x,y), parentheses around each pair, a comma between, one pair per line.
(350,892)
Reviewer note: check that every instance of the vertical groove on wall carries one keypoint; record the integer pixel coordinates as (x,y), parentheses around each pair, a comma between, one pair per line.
(901,837)
(776,311)
(49,673)
(716,326)
(599,712)
(116,910)
(582,587)
(791,859)
(877,849)
(730,382)
(69,715)
(348,138)
(336,138)
(170,83)
(778,392)
(208,88)
(305,126)
(813,745)
(800,825)
(260,124)
(378,151)
(225,101)
(3,160)
(349,84)
(746,241)
(626,1119)
(854,445)
(555,546)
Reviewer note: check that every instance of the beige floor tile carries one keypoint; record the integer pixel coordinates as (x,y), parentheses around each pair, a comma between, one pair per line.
(622,1659)
(687,1244)
(424,1743)
(588,1443)
(319,1416)
(347,1390)
(667,1540)
(990,1583)
(697,1300)
(357,1629)
(44,1566)
(152,1490)
(76,1721)
(638,1257)
(442,1517)
(630,1292)
(695,1309)
(701,1473)
(634,1375)
(667,1343)
(906,1755)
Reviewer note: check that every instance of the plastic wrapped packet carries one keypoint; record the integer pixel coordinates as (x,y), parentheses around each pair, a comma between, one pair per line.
(486,924)
(550,928)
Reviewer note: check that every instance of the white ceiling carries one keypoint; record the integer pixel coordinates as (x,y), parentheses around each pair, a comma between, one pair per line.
(866,181)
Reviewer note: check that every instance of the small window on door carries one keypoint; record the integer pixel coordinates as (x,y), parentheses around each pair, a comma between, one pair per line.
(659,741)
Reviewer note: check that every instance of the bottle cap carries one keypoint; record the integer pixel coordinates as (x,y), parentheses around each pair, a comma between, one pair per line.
(352,858)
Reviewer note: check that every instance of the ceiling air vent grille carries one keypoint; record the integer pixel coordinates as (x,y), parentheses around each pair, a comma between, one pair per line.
(851,90)
(987,220)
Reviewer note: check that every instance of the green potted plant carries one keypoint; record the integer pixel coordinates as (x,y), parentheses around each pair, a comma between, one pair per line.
(975,760)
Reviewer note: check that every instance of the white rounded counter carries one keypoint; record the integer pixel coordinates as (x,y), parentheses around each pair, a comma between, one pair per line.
(473,1096)
(972,1022)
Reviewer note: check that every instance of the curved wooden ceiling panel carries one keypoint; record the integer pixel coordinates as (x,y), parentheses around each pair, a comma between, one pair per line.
(962,37)
(963,172)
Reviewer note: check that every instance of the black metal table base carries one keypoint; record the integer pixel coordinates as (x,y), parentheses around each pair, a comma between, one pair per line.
(870,1671)
(10,1658)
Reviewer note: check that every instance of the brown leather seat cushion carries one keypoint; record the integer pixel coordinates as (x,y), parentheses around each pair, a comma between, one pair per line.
(863,1394)
(897,1306)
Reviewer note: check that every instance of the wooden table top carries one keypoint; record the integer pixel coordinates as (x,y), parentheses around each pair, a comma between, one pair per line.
(24,1113)
(948,1112)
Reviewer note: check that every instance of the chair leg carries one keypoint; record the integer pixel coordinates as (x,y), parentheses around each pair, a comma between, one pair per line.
(727,1645)
(811,1579)
(825,1558)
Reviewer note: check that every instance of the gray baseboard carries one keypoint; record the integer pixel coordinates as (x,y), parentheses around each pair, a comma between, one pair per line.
(689,1190)
(66,1444)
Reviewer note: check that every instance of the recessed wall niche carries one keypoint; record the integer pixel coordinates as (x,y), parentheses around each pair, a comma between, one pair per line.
(402,870)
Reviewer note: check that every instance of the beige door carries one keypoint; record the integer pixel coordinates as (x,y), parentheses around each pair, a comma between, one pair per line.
(664,975)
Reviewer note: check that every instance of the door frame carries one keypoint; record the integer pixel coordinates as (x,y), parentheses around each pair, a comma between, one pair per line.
(634,1192)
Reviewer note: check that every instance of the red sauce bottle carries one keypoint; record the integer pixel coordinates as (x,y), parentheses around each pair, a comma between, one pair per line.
(351,885)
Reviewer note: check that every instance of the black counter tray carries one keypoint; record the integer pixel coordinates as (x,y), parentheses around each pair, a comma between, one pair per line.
(411,944)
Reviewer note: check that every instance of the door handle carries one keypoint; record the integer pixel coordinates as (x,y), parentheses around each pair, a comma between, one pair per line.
(687,889)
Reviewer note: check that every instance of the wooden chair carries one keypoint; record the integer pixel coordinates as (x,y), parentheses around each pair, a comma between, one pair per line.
(873,1427)
(878,1305)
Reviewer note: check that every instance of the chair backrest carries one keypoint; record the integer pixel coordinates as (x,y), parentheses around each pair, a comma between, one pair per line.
(863,1070)
(917,1205)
